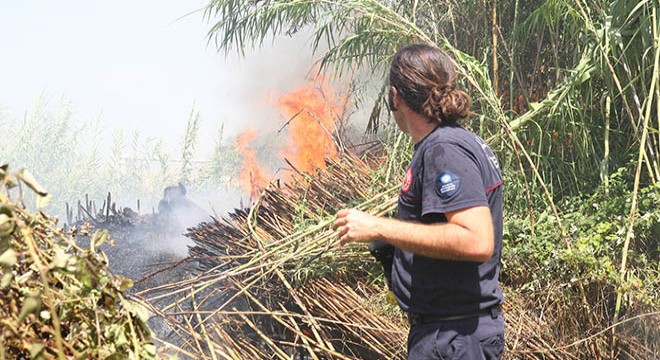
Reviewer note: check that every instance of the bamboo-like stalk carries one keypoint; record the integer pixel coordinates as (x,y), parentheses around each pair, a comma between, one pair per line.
(315,325)
(615,78)
(640,160)
(606,145)
(513,53)
(281,354)
(494,29)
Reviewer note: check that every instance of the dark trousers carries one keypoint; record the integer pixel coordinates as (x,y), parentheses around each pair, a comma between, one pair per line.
(478,338)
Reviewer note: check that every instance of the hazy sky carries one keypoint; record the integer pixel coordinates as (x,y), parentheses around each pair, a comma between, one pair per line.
(139,65)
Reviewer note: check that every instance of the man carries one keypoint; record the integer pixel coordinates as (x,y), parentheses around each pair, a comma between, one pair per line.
(449,234)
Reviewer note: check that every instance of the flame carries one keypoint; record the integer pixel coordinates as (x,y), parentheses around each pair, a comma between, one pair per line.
(253,178)
(312,111)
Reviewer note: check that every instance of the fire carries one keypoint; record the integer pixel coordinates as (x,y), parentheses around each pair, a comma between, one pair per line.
(253,178)
(311,111)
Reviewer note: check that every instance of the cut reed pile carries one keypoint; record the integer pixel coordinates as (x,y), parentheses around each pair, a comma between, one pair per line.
(267,289)
(277,285)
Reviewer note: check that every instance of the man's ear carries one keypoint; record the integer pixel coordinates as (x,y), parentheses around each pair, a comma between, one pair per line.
(393,93)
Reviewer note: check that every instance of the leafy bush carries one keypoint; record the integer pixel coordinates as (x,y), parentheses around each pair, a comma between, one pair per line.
(58,300)
(590,252)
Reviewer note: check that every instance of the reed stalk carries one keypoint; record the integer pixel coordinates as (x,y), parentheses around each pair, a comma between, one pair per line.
(640,160)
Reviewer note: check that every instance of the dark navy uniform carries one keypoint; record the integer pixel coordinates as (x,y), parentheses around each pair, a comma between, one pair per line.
(453,306)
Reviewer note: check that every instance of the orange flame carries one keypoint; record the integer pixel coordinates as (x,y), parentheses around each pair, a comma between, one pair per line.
(253,179)
(312,111)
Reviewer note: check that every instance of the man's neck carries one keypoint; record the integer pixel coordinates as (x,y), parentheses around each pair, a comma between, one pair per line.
(419,126)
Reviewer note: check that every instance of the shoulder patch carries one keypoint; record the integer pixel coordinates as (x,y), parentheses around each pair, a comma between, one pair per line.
(447,184)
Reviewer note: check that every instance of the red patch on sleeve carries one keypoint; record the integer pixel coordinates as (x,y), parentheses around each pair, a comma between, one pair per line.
(407,181)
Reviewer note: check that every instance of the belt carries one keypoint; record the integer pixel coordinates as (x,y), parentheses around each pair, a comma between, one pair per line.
(416,319)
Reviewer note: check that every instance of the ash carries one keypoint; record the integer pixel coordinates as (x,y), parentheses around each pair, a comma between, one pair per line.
(149,249)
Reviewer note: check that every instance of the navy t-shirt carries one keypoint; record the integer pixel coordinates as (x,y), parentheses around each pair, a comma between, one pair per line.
(451,169)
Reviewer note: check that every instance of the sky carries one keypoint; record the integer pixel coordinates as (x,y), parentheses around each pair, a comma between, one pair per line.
(139,65)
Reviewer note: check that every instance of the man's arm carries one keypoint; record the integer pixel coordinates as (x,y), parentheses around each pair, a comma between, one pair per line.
(466,236)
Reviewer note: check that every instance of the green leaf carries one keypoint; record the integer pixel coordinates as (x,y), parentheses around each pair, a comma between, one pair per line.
(88,280)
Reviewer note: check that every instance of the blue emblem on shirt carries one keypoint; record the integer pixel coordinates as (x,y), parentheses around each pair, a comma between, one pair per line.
(447,184)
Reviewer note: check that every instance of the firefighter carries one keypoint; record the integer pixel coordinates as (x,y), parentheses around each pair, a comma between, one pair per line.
(176,211)
(447,241)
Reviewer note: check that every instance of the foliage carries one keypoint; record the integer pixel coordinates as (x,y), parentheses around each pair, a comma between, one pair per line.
(58,300)
(596,227)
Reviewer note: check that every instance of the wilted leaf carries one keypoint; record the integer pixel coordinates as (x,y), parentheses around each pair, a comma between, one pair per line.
(8,258)
(36,351)
(31,305)
(534,106)
(124,282)
(42,201)
(99,238)
(117,334)
(150,349)
(136,310)
(7,226)
(31,182)
(60,259)
(6,280)
(6,210)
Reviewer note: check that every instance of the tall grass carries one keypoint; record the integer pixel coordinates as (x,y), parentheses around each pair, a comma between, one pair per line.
(67,156)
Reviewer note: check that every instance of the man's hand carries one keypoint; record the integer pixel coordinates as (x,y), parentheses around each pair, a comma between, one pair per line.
(356,226)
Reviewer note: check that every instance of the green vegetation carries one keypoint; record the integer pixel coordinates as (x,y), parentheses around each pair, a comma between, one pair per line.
(59,301)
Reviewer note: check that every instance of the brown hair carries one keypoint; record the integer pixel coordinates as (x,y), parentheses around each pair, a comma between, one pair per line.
(424,78)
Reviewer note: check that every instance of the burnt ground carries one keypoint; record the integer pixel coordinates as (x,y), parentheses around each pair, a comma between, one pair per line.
(148,249)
